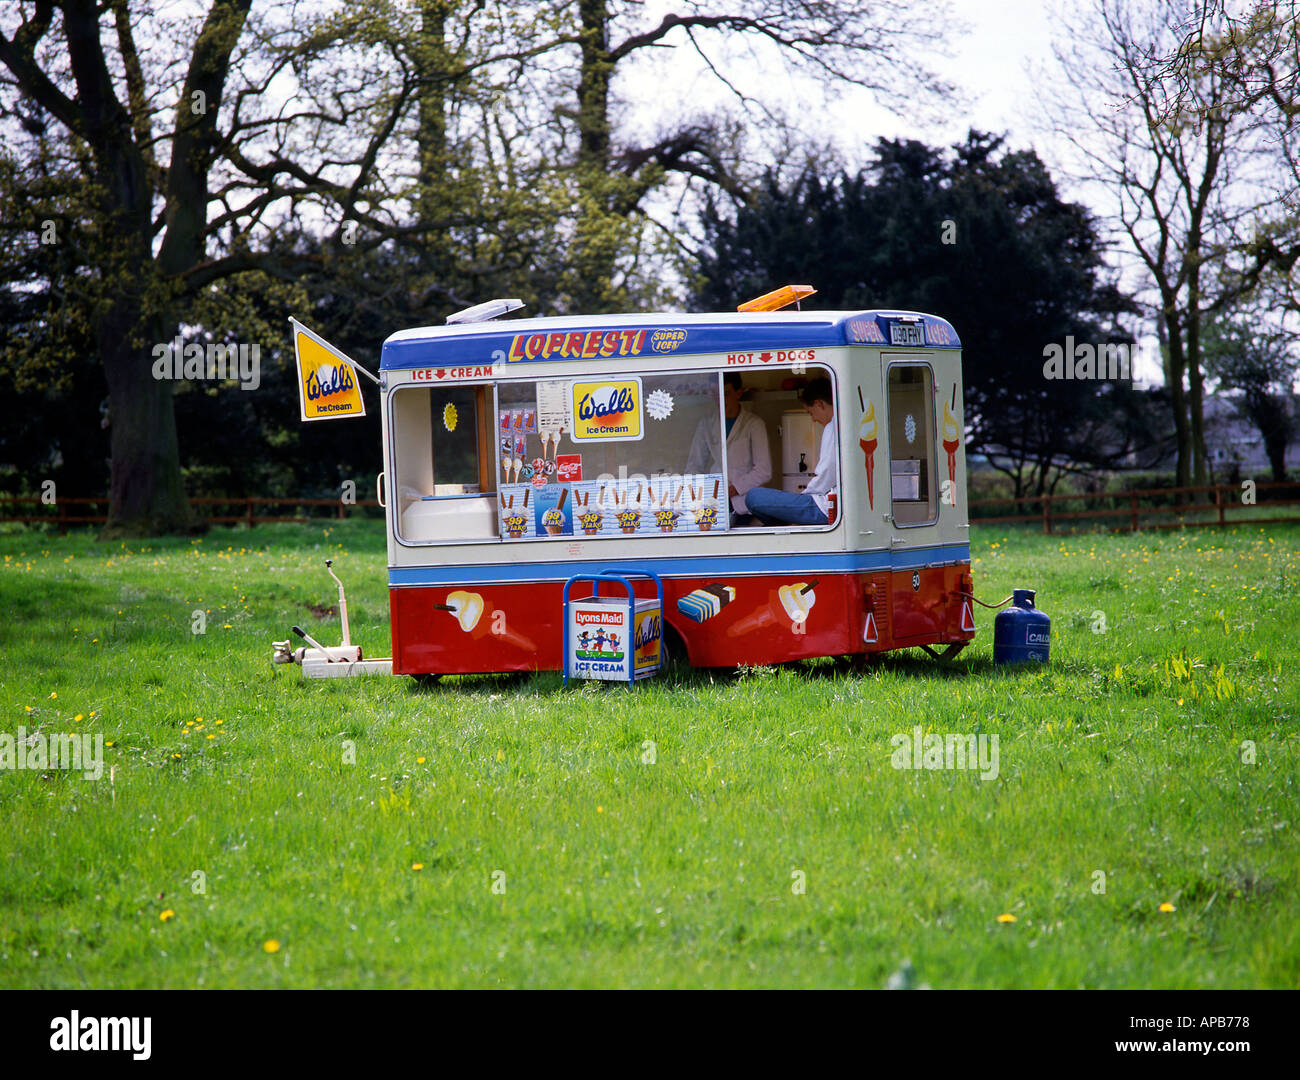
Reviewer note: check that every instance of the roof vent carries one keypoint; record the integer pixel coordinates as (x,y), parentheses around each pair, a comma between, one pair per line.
(491,309)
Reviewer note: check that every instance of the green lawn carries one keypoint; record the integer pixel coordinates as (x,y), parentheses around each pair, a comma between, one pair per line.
(1123,758)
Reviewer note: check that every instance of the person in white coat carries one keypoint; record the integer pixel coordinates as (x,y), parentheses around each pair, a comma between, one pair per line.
(749,460)
(772,506)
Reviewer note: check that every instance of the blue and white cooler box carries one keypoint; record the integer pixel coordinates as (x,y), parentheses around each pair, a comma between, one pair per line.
(607,641)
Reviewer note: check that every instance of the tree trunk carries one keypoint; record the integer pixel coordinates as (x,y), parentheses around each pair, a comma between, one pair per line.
(1175,368)
(432,134)
(1195,378)
(146,493)
(597,237)
(593,86)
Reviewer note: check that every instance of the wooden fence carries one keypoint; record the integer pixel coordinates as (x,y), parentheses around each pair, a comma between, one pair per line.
(1225,506)
(249,506)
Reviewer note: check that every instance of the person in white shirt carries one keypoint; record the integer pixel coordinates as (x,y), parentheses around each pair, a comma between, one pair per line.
(749,461)
(775,507)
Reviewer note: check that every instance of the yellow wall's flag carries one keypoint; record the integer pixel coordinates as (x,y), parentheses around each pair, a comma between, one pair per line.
(327,380)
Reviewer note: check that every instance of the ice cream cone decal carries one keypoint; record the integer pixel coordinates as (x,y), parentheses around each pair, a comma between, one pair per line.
(475,617)
(950,437)
(790,603)
(867,439)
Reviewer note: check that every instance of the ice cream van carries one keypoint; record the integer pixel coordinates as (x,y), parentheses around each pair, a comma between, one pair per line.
(521,452)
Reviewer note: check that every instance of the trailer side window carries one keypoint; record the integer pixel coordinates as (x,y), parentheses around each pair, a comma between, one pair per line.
(444,483)
(911,444)
(609,456)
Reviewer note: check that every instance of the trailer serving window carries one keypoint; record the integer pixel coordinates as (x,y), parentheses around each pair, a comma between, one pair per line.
(912,444)
(607,456)
(617,455)
(442,482)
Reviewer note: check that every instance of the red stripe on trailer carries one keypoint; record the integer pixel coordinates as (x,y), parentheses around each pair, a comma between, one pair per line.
(494,627)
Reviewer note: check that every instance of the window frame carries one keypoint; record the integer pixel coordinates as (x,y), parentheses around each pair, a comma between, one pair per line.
(496,382)
(924,362)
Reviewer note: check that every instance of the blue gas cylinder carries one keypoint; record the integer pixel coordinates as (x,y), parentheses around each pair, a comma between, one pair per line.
(1021,633)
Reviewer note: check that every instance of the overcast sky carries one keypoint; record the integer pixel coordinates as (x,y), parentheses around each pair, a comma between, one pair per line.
(994,52)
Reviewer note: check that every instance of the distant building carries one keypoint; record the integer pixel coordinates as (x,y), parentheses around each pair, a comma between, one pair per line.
(1234,444)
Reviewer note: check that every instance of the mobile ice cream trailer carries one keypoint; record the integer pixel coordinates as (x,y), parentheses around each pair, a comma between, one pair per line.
(525,454)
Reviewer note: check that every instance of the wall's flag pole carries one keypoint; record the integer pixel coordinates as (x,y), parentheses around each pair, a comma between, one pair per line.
(327,385)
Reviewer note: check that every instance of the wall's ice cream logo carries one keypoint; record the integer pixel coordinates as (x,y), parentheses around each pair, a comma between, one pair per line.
(606,411)
(789,603)
(327,384)
(478,619)
(951,437)
(648,635)
(867,431)
(575,345)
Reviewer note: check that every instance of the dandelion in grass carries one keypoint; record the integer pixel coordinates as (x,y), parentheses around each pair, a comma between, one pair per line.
(78,718)
(166,916)
(600,809)
(417,866)
(1167,907)
(270,945)
(1006,917)
(419,761)
(53,694)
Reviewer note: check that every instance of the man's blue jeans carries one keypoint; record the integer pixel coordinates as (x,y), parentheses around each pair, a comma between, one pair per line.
(775,507)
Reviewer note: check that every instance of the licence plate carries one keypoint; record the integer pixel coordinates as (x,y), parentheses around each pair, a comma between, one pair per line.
(906,334)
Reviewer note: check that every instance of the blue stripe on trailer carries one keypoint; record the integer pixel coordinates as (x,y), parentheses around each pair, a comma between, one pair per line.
(665,334)
(677,567)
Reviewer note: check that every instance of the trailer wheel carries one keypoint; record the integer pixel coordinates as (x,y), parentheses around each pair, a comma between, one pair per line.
(675,658)
(427,681)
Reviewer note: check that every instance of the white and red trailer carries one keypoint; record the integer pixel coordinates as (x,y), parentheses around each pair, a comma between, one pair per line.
(520,454)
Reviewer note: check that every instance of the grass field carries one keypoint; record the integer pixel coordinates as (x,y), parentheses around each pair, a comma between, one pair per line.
(506,832)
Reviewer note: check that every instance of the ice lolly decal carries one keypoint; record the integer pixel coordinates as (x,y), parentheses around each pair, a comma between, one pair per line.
(702,604)
(867,432)
(950,437)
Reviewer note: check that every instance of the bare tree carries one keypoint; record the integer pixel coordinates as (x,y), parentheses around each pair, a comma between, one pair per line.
(887,47)
(1195,185)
